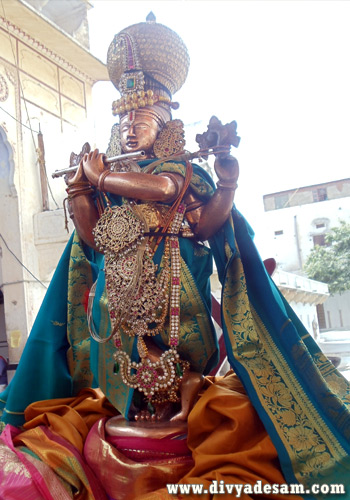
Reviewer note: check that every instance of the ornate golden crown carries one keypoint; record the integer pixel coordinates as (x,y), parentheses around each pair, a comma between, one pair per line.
(147,63)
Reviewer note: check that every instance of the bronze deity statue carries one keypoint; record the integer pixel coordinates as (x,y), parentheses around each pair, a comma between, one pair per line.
(159,207)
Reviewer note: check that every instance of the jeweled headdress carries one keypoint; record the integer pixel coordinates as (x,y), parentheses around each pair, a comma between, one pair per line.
(147,63)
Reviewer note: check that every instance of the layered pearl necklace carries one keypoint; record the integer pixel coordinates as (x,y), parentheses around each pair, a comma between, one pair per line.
(139,300)
(157,377)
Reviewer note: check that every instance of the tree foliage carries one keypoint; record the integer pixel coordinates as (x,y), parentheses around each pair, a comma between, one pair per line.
(331,263)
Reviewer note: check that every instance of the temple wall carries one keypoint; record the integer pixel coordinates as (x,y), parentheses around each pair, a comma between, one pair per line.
(39,91)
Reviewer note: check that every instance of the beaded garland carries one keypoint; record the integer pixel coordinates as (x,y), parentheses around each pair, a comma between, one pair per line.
(139,299)
(159,381)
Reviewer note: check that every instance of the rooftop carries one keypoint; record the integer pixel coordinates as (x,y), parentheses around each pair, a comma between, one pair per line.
(23,19)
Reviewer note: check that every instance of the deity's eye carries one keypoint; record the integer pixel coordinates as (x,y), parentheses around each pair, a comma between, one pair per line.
(141,125)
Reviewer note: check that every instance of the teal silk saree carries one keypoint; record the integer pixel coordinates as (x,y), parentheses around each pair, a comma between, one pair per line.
(302,400)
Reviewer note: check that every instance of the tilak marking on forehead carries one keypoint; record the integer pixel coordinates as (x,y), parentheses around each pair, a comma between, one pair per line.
(131,117)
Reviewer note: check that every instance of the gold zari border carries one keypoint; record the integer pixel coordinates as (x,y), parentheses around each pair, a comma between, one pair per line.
(311,446)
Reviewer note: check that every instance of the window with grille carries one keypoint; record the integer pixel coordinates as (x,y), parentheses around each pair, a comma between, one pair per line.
(319,239)
(320,194)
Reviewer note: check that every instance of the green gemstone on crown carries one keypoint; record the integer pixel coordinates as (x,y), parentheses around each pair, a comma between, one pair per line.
(130,83)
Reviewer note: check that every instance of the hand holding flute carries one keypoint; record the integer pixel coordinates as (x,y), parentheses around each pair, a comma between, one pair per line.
(107,161)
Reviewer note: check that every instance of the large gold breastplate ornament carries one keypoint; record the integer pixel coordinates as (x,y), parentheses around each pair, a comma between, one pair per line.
(137,296)
(140,295)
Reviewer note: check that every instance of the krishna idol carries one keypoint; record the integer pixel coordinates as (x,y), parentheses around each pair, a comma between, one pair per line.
(112,398)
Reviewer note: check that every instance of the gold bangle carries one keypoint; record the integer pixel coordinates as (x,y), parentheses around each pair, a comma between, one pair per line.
(101,179)
(229,186)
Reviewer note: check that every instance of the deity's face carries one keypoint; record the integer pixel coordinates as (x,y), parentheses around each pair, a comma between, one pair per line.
(138,131)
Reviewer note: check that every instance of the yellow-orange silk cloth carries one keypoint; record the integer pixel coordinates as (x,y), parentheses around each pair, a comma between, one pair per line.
(229,443)
(55,432)
(71,418)
(226,437)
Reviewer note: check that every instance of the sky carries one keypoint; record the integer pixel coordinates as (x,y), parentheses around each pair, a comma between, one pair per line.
(279,68)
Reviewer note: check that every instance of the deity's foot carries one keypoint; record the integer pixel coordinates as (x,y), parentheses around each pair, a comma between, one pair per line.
(148,416)
(181,416)
(155,413)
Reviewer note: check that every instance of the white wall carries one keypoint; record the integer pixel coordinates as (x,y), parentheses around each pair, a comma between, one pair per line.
(292,247)
(297,224)
(337,312)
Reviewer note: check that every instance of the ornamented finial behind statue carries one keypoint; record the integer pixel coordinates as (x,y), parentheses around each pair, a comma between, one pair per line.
(151,18)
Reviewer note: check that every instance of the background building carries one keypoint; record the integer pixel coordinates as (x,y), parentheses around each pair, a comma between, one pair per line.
(297,220)
(46,79)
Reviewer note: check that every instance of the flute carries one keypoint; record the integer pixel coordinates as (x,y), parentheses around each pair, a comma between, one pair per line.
(126,156)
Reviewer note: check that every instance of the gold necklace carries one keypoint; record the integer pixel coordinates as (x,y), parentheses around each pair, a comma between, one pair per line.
(139,300)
